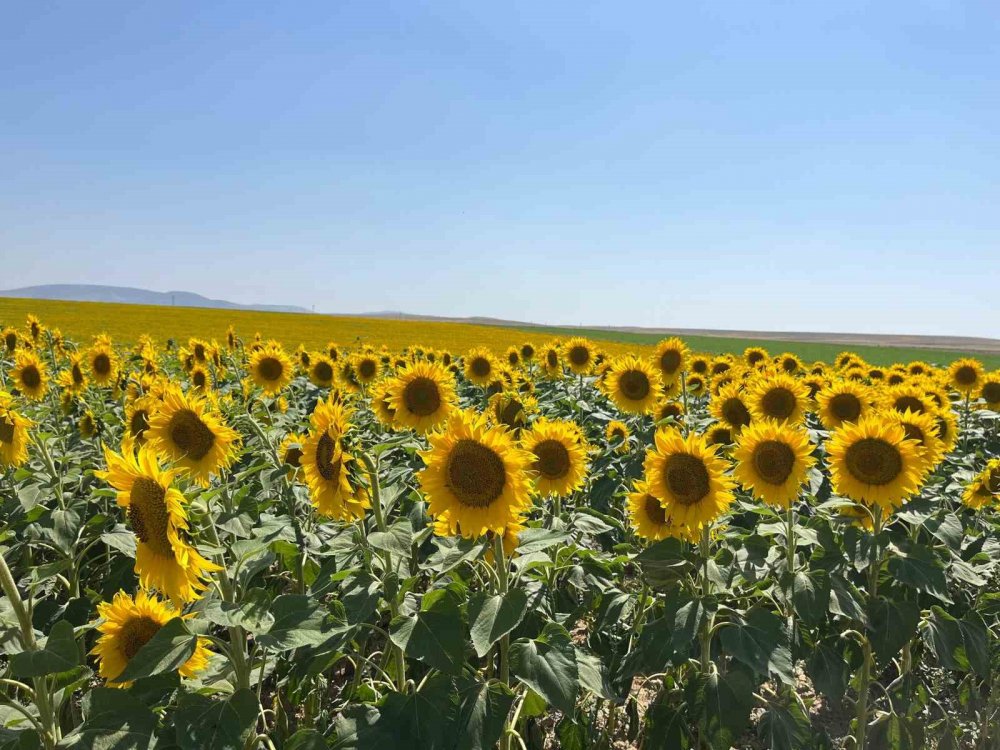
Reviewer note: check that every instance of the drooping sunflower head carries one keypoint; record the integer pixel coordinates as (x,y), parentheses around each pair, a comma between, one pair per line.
(755,356)
(632,384)
(130,623)
(13,434)
(966,375)
(271,368)
(559,455)
(730,407)
(183,429)
(476,475)
(103,363)
(29,375)
(422,395)
(688,478)
(650,520)
(335,490)
(617,434)
(480,367)
(773,461)
(667,409)
(780,397)
(843,401)
(580,355)
(873,461)
(290,452)
(925,431)
(511,409)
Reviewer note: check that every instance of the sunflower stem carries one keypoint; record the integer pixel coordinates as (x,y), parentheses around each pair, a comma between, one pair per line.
(706,627)
(790,561)
(684,396)
(864,679)
(237,637)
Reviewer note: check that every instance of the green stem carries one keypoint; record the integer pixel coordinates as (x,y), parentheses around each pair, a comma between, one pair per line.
(864,679)
(706,627)
(237,637)
(502,587)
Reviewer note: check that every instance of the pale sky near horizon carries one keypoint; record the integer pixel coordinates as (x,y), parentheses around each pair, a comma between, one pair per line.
(769,166)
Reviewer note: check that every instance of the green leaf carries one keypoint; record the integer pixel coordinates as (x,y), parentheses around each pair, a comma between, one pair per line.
(976,637)
(536,540)
(691,614)
(726,701)
(811,596)
(299,620)
(360,595)
(654,649)
(829,670)
(917,566)
(891,624)
(944,525)
(252,612)
(666,726)
(306,739)
(115,721)
(482,713)
(434,635)
(594,675)
(784,728)
(548,666)
(425,719)
(453,552)
(491,617)
(60,654)
(664,562)
(171,646)
(845,599)
(760,641)
(397,540)
(221,725)
(120,539)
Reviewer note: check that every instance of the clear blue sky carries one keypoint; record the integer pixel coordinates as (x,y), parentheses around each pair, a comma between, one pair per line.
(771,165)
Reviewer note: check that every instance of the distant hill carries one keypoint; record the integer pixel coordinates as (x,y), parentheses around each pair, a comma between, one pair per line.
(133,296)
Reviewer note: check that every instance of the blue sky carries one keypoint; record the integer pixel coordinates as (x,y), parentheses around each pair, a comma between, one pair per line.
(771,165)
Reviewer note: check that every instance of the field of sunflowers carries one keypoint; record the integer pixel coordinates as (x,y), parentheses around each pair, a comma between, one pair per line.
(239,544)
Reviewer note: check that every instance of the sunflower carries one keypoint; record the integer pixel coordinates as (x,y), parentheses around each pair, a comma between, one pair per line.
(632,384)
(618,434)
(984,487)
(10,338)
(476,475)
(688,478)
(271,368)
(201,380)
(137,415)
(872,461)
(843,401)
(859,514)
(696,384)
(348,376)
(367,367)
(580,355)
(720,365)
(755,356)
(511,409)
(290,452)
(128,625)
(729,405)
(332,351)
(331,415)
(35,327)
(13,433)
(321,370)
(381,402)
(947,424)
(559,456)
(779,396)
(966,375)
(73,379)
(422,396)
(907,396)
(846,359)
(699,364)
(552,361)
(199,350)
(924,429)
(773,461)
(184,430)
(896,376)
(527,351)
(650,520)
(328,474)
(720,435)
(814,384)
(103,362)
(164,559)
(990,392)
(512,356)
(667,409)
(480,367)
(87,426)
(29,375)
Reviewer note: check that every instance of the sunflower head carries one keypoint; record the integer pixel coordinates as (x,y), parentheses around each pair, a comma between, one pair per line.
(527,351)
(632,384)
(617,434)
(580,355)
(559,456)
(984,489)
(780,397)
(271,368)
(729,406)
(773,461)
(367,367)
(13,433)
(422,395)
(29,375)
(103,363)
(480,367)
(10,338)
(990,391)
(966,375)
(843,401)
(755,356)
(511,409)
(650,520)
(907,396)
(321,370)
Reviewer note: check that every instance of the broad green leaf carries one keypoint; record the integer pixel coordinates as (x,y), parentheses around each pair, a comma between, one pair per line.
(976,637)
(784,728)
(201,722)
(491,617)
(398,539)
(114,721)
(667,726)
(690,615)
(916,566)
(891,624)
(166,651)
(120,539)
(726,702)
(434,635)
(482,713)
(829,670)
(60,654)
(811,596)
(548,666)
(845,599)
(760,641)
(252,612)
(299,620)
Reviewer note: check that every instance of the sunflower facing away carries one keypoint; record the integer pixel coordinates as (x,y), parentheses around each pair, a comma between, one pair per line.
(650,520)
(966,375)
(780,397)
(164,559)
(511,409)
(773,461)
(480,367)
(184,430)
(128,625)
(13,433)
(688,478)
(476,475)
(271,368)
(843,401)
(422,396)
(729,405)
(559,456)
(872,461)
(580,355)
(632,384)
(29,375)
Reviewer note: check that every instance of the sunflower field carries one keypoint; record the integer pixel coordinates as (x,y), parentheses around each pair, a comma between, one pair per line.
(240,545)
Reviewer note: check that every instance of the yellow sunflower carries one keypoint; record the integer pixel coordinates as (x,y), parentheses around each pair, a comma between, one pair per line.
(137,416)
(164,559)
(422,396)
(331,414)
(907,396)
(947,424)
(670,357)
(990,392)
(617,434)
(290,452)
(527,352)
(632,384)
(650,520)
(367,367)
(128,625)
(321,370)
(551,360)
(779,396)
(755,356)
(201,380)
(103,363)
(382,404)
(512,356)
(511,409)
(480,366)
(924,429)
(843,401)
(87,426)
(789,363)
(698,364)
(477,475)
(271,368)
(580,355)
(29,375)
(184,430)
(10,339)
(73,379)
(688,478)
(872,461)
(719,434)
(696,384)
(328,474)
(773,461)
(559,456)
(984,487)
(13,433)
(966,375)
(729,405)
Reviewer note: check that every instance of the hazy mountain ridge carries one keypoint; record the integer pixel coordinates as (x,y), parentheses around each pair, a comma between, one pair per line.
(135,296)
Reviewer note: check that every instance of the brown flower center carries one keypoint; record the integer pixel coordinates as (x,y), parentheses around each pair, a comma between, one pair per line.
(874,461)
(190,434)
(735,412)
(634,385)
(670,361)
(846,407)
(323,372)
(912,403)
(139,423)
(778,403)
(687,479)
(293,457)
(102,364)
(367,368)
(579,355)
(31,377)
(654,511)
(328,460)
(552,359)
(991,392)
(551,459)
(270,368)
(6,429)
(136,633)
(422,396)
(148,515)
(476,475)
(480,367)
(966,375)
(773,461)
